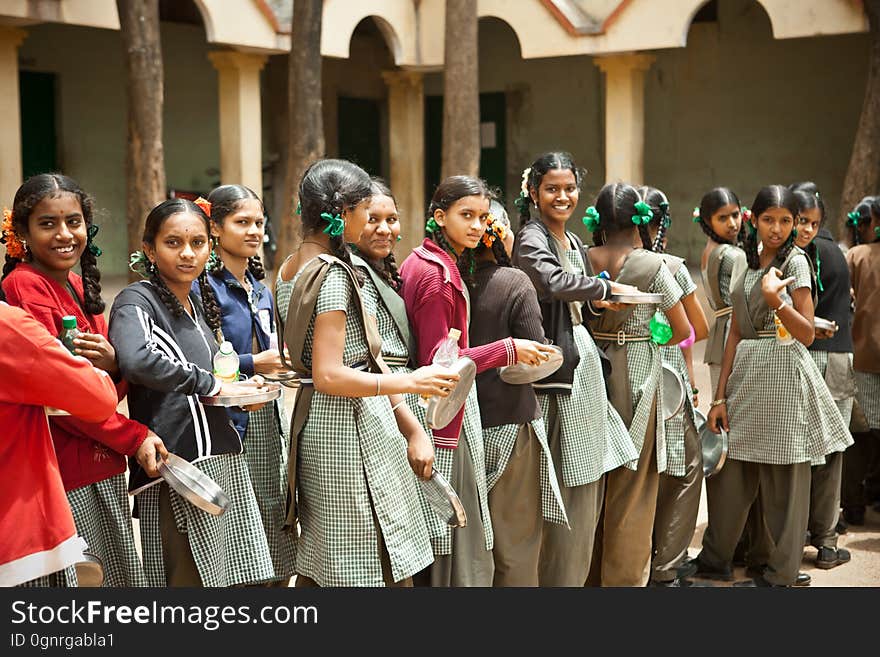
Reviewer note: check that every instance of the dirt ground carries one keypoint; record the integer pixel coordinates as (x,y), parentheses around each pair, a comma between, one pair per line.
(862,541)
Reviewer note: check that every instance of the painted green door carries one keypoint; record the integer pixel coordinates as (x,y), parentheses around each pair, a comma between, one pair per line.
(38,138)
(493,133)
(360,138)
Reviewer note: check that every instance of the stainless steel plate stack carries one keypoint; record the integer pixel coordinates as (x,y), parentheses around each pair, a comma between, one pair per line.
(674,392)
(443,500)
(194,485)
(825,324)
(441,410)
(89,571)
(642,297)
(252,393)
(522,373)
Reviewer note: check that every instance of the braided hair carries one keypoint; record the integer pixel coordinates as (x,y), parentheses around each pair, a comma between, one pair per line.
(862,215)
(47,185)
(387,267)
(712,201)
(152,226)
(499,218)
(225,200)
(449,191)
(536,172)
(329,187)
(616,205)
(772,196)
(807,195)
(661,220)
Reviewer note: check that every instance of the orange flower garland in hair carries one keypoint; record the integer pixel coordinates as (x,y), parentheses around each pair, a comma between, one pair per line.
(494,230)
(14,247)
(204,204)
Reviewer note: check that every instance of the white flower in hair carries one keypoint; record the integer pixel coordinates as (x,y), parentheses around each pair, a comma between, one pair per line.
(524,187)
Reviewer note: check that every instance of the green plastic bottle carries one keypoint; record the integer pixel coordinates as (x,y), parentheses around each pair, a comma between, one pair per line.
(661,331)
(69,333)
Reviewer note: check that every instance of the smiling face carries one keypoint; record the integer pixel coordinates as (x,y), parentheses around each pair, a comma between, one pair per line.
(464,222)
(774,227)
(808,226)
(557,195)
(241,232)
(383,227)
(726,222)
(56,234)
(181,250)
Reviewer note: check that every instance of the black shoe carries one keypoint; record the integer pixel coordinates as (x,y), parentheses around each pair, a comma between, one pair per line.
(757,582)
(802,579)
(687,568)
(680,583)
(710,572)
(854,515)
(756,571)
(830,557)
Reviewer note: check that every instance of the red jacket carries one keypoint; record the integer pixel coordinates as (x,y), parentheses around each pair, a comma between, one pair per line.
(36,526)
(434,296)
(87,452)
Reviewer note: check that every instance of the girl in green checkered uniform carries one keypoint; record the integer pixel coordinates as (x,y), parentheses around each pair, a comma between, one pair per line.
(355,493)
(631,339)
(771,398)
(587,437)
(678,500)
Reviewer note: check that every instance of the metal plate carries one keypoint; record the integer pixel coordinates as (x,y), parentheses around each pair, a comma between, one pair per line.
(443,500)
(824,324)
(523,373)
(193,485)
(441,410)
(90,571)
(713,446)
(281,377)
(55,411)
(256,393)
(643,297)
(674,392)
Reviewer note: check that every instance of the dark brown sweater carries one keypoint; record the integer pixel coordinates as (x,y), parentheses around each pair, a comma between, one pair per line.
(504,304)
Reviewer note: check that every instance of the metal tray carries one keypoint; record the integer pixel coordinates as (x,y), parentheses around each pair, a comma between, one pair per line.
(281,377)
(194,485)
(443,500)
(523,373)
(825,324)
(713,446)
(643,297)
(55,411)
(262,392)
(89,571)
(674,392)
(441,410)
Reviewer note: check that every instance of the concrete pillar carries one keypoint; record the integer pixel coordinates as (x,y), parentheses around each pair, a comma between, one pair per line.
(625,116)
(241,139)
(10,110)
(406,137)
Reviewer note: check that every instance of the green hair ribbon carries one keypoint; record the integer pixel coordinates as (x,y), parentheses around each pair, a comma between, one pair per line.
(431,226)
(664,210)
(643,215)
(591,219)
(877,231)
(93,248)
(139,264)
(521,202)
(819,272)
(214,263)
(299,208)
(852,218)
(696,215)
(335,224)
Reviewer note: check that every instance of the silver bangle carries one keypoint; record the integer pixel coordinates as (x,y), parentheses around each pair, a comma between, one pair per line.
(398,405)
(781,306)
(378,384)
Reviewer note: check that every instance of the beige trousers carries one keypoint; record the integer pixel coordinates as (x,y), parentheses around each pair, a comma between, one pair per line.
(622,555)
(515,507)
(784,492)
(180,567)
(678,503)
(566,554)
(825,481)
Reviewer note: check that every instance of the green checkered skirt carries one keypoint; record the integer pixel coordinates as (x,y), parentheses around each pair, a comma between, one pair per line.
(59,579)
(103,518)
(868,387)
(265,449)
(228,549)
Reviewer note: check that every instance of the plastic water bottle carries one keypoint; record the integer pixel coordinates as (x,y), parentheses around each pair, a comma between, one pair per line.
(69,332)
(445,356)
(226,363)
